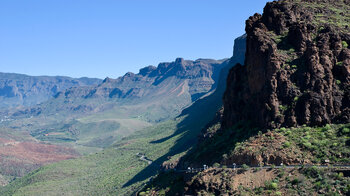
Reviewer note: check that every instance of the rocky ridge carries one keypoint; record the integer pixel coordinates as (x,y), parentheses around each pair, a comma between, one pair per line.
(23,90)
(200,74)
(154,94)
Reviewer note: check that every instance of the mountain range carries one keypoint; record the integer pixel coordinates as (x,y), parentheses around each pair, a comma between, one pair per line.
(84,119)
(18,90)
(271,120)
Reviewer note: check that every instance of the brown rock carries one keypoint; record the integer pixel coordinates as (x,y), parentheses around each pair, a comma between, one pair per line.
(295,72)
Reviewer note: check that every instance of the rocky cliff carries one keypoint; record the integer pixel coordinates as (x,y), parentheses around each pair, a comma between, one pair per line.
(297,67)
(200,76)
(296,72)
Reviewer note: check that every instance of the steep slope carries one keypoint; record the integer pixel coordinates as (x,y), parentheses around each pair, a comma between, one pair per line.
(296,74)
(23,90)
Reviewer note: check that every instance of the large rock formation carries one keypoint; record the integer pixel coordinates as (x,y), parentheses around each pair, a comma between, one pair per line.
(297,67)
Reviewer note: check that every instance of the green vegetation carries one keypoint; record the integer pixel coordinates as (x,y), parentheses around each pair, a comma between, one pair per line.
(245,167)
(106,172)
(216,165)
(336,14)
(283,108)
(344,44)
(271,185)
(321,143)
(117,169)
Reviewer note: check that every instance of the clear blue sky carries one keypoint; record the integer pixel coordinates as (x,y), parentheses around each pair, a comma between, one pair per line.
(99,38)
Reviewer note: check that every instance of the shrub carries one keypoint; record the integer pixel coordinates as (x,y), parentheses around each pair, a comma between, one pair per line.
(295,181)
(296,99)
(271,185)
(308,145)
(344,44)
(345,130)
(286,144)
(142,193)
(327,127)
(257,169)
(216,165)
(283,108)
(245,167)
(259,190)
(281,173)
(338,82)
(312,172)
(318,185)
(288,132)
(340,176)
(294,66)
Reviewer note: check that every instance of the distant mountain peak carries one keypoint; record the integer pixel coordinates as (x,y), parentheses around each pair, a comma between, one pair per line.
(107,79)
(179,61)
(147,70)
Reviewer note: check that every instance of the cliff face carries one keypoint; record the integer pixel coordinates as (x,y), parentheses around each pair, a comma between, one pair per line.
(297,67)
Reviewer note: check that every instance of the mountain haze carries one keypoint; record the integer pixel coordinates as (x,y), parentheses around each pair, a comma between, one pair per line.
(23,90)
(154,94)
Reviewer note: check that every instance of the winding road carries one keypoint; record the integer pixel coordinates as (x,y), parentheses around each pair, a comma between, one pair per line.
(144,158)
(196,170)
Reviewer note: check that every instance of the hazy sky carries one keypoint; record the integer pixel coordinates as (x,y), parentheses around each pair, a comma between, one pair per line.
(99,38)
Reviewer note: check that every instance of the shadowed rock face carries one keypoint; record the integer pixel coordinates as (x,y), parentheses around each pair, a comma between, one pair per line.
(296,69)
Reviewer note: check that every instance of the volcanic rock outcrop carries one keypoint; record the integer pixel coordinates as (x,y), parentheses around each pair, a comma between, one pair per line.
(297,67)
